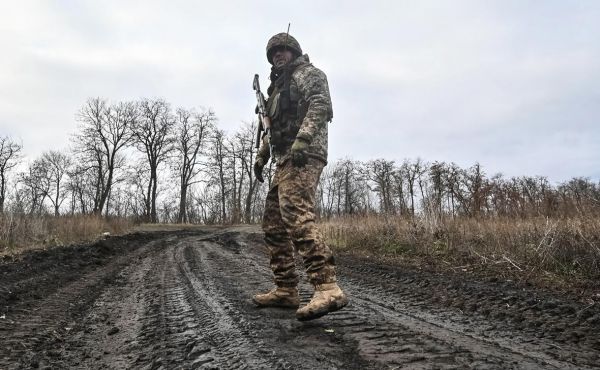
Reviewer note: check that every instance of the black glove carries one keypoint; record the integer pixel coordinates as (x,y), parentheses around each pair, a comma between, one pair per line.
(258,168)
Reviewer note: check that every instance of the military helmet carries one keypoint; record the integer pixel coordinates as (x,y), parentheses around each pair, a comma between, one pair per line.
(282,39)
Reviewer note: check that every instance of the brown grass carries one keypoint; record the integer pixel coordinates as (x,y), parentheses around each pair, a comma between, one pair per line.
(23,232)
(539,248)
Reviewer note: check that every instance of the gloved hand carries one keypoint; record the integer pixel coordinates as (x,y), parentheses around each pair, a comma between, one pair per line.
(298,152)
(259,164)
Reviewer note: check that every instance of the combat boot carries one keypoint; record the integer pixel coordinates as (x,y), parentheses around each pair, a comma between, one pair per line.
(327,298)
(285,297)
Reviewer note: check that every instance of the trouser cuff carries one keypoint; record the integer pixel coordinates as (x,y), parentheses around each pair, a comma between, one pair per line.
(286,284)
(324,277)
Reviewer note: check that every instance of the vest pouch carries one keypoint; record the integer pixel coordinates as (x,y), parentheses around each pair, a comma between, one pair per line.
(277,139)
(284,133)
(273,107)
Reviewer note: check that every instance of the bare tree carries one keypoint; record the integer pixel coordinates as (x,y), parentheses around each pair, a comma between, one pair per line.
(232,153)
(191,131)
(326,192)
(138,179)
(10,154)
(81,185)
(349,191)
(240,154)
(104,132)
(57,165)
(152,136)
(35,186)
(451,183)
(217,163)
(400,183)
(246,154)
(381,171)
(475,183)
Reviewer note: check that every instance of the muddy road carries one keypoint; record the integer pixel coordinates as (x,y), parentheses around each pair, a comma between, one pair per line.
(181,300)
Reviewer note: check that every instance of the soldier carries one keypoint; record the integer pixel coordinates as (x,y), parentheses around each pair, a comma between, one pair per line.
(299,108)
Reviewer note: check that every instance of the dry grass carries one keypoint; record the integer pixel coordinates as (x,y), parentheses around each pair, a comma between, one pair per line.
(23,232)
(551,249)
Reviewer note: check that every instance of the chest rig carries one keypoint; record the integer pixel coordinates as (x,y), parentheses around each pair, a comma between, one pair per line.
(286,108)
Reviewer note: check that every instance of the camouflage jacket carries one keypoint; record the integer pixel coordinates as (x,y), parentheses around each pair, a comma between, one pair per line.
(305,116)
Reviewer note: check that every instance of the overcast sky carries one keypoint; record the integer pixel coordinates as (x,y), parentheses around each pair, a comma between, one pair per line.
(514,85)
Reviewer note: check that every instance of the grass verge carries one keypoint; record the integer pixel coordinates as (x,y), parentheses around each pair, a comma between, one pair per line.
(558,253)
(24,232)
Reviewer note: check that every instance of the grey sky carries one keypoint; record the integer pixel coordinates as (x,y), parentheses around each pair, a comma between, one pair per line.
(514,85)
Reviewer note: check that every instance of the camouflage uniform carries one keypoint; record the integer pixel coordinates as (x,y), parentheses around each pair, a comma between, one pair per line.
(299,107)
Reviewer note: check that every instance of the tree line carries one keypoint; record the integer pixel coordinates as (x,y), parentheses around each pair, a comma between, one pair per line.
(142,159)
(439,190)
(150,162)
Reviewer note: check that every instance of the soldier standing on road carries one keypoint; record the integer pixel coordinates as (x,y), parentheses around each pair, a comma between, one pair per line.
(299,107)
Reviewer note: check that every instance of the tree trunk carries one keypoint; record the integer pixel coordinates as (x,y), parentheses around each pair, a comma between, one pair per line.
(2,191)
(154,182)
(182,218)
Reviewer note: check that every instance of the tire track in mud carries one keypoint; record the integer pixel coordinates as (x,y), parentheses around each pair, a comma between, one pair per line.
(169,323)
(185,324)
(171,331)
(274,333)
(235,344)
(380,336)
(106,337)
(182,300)
(416,301)
(34,333)
(392,333)
(197,327)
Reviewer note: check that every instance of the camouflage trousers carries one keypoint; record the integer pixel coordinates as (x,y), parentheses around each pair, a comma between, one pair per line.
(289,225)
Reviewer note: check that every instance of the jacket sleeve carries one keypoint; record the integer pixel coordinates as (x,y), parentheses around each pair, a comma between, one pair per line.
(312,84)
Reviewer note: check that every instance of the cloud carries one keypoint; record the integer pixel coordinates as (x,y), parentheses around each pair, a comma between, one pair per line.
(512,84)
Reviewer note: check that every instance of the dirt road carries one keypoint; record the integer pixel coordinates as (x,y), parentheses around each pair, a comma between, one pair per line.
(166,300)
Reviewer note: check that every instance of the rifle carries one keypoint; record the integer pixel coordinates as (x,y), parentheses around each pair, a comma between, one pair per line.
(264,122)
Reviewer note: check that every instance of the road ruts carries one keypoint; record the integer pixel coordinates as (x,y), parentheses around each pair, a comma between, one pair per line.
(181,300)
(231,276)
(163,316)
(45,310)
(388,332)
(498,314)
